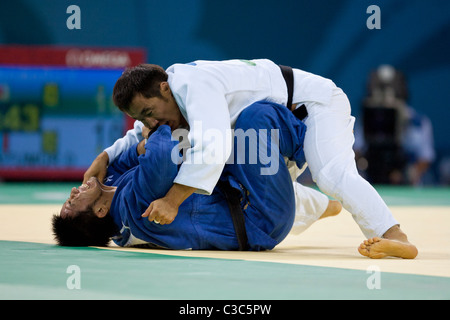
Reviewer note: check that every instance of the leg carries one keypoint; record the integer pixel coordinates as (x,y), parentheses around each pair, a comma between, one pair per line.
(265,190)
(310,206)
(264,134)
(330,157)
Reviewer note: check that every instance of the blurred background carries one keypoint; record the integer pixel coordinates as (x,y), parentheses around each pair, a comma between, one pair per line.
(56,81)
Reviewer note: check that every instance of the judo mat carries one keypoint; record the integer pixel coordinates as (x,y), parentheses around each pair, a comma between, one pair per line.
(321,263)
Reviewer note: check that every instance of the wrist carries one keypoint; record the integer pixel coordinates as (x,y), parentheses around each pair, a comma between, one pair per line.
(178,193)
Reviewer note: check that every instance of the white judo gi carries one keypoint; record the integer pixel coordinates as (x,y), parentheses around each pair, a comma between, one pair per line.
(212,94)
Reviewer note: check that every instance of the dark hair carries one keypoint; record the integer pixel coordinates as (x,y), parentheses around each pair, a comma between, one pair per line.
(143,79)
(84,229)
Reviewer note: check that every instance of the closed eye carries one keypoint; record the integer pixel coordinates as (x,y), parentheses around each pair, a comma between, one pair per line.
(146,113)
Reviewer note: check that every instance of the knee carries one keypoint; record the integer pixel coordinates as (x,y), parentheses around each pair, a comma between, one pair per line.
(332,178)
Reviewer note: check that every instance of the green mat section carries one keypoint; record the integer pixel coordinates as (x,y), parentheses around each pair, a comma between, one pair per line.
(410,196)
(39,271)
(57,193)
(35,193)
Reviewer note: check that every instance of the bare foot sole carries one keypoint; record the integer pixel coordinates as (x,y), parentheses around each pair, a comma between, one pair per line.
(377,248)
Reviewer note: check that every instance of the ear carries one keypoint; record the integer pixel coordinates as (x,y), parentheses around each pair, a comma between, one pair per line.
(164,87)
(101,211)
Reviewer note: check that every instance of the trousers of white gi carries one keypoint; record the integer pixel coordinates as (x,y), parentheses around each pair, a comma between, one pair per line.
(328,148)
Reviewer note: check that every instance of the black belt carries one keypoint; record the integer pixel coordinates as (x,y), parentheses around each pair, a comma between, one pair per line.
(288,75)
(233,198)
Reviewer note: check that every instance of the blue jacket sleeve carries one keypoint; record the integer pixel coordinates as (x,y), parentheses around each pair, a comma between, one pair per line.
(126,160)
(157,168)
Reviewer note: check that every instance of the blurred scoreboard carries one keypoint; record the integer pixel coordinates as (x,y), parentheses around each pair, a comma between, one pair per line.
(56,109)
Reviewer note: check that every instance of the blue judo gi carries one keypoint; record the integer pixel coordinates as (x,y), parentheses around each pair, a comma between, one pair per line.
(204,221)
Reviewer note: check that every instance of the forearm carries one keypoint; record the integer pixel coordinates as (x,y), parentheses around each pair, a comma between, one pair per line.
(103,157)
(164,210)
(131,137)
(178,193)
(98,167)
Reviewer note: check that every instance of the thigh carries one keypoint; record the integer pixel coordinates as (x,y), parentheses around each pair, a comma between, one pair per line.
(329,137)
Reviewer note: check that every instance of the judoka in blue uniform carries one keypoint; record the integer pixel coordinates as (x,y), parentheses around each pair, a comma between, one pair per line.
(204,222)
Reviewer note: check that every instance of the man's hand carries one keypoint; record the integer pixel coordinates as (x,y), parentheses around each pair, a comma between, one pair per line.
(98,168)
(165,210)
(161,211)
(141,145)
(145,132)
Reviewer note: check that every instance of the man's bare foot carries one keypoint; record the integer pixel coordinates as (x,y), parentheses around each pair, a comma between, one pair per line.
(377,248)
(333,209)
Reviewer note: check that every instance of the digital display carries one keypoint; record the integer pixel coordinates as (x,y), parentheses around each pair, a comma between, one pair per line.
(56,120)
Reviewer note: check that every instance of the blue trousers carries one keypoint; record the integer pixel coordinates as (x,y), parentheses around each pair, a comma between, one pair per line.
(266,186)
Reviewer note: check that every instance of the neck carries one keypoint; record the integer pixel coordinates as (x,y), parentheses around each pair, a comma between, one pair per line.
(108,195)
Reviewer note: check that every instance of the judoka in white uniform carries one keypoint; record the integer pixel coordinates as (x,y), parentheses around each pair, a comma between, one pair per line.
(204,221)
(211,94)
(214,93)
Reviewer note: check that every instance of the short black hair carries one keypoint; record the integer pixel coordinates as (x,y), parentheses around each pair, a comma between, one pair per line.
(84,229)
(142,79)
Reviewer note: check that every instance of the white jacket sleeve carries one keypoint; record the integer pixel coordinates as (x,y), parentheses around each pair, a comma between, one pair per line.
(131,137)
(210,130)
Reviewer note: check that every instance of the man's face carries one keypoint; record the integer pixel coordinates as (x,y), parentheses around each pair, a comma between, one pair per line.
(156,111)
(81,198)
